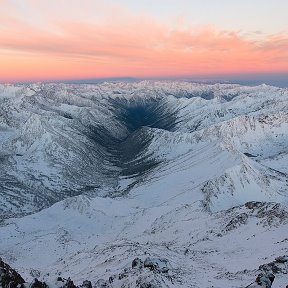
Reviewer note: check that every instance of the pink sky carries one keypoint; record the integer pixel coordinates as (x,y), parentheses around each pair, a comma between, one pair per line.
(108,40)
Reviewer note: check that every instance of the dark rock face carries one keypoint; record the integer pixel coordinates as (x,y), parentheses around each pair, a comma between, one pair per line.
(237,221)
(281,259)
(38,284)
(68,283)
(279,265)
(86,284)
(264,280)
(137,263)
(9,278)
(269,213)
(102,284)
(148,263)
(265,213)
(143,284)
(159,264)
(148,273)
(159,268)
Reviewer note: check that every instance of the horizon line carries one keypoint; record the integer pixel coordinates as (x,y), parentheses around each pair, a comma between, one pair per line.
(278,79)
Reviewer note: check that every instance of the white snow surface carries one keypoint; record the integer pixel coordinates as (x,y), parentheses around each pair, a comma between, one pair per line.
(229,146)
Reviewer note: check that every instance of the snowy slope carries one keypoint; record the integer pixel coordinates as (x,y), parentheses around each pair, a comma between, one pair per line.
(174,171)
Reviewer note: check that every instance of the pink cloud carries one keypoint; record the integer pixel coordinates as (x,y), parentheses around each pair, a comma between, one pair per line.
(133,46)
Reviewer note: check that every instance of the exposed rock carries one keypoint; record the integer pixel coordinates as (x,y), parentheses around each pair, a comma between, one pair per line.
(143,284)
(160,264)
(38,284)
(60,279)
(122,275)
(151,273)
(137,263)
(9,278)
(148,263)
(86,284)
(279,265)
(266,214)
(35,273)
(263,280)
(281,259)
(269,213)
(111,279)
(237,221)
(67,283)
(101,283)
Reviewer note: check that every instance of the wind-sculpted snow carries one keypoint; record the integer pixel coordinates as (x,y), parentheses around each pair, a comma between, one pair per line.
(166,170)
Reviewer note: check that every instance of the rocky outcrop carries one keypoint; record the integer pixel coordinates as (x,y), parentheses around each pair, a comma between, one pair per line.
(160,264)
(148,263)
(150,273)
(101,283)
(270,214)
(237,221)
(9,278)
(279,265)
(38,284)
(86,284)
(264,280)
(67,283)
(137,263)
(265,213)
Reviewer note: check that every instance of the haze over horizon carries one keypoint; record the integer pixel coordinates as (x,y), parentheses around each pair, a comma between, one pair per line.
(69,40)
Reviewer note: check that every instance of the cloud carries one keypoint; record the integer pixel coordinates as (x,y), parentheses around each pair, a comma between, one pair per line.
(130,45)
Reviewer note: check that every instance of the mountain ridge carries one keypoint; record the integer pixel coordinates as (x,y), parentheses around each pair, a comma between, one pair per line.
(93,176)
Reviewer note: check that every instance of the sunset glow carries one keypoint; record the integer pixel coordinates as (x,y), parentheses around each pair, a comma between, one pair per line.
(51,40)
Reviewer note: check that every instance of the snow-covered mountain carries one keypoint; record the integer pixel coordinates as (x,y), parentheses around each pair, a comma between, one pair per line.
(193,177)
